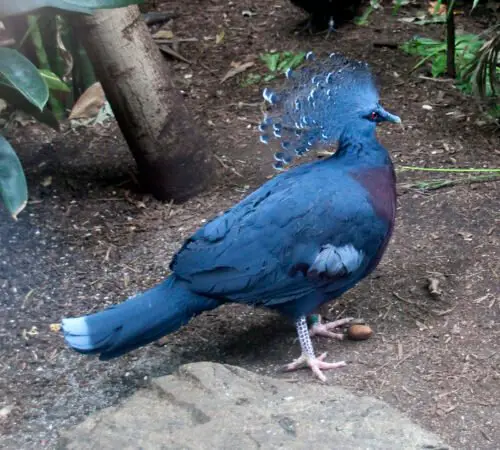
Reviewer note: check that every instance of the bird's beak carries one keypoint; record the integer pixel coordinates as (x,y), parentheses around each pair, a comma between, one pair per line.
(388,116)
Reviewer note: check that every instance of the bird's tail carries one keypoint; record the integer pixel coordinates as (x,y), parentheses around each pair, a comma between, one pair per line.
(138,321)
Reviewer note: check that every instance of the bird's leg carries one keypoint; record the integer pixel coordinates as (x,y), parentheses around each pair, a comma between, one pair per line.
(308,358)
(327,329)
(331,27)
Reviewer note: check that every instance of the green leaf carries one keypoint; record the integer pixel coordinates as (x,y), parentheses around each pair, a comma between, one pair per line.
(438,66)
(252,78)
(363,19)
(13,188)
(269,77)
(14,98)
(54,83)
(19,73)
(13,7)
(296,60)
(289,60)
(270,60)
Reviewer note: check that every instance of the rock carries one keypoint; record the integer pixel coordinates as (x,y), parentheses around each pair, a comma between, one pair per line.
(213,406)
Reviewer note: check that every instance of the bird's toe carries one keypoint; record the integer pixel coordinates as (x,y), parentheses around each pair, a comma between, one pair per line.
(328,329)
(315,364)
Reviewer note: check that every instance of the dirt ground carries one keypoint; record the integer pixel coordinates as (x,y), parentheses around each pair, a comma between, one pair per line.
(90,238)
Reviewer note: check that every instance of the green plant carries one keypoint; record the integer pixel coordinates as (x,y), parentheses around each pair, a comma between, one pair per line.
(467,177)
(363,19)
(276,63)
(397,5)
(26,87)
(484,68)
(472,59)
(470,50)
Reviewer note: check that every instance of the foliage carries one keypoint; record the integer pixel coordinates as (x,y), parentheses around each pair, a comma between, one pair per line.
(476,56)
(13,188)
(27,87)
(275,63)
(483,70)
(434,51)
(363,19)
(476,61)
(17,72)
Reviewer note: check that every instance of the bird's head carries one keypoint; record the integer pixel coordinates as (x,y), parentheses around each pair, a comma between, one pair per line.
(319,104)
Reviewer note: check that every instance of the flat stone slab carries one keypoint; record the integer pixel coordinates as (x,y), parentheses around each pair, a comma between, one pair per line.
(213,406)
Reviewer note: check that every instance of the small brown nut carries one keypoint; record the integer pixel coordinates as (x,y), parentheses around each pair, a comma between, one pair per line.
(358,332)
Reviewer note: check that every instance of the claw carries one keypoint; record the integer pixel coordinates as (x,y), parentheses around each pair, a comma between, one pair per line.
(325,329)
(315,364)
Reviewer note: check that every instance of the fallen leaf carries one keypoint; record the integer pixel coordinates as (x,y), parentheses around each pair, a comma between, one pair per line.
(423,21)
(236,69)
(163,34)
(219,37)
(55,327)
(171,52)
(407,19)
(32,332)
(89,103)
(29,333)
(47,181)
(466,235)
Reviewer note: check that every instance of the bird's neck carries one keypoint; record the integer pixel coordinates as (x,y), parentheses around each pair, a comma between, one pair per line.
(362,150)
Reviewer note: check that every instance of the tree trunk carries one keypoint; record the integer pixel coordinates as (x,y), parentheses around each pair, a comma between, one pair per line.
(173,158)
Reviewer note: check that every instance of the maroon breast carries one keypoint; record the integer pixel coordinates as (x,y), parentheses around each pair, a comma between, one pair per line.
(380,182)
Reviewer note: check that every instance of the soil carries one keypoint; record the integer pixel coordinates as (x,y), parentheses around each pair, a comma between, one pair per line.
(89,238)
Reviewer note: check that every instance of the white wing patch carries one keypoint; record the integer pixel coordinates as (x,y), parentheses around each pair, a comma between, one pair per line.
(337,261)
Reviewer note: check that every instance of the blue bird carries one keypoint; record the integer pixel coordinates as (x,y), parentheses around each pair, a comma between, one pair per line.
(299,241)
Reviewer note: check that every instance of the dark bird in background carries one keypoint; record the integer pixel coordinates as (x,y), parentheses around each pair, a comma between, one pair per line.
(327,14)
(299,241)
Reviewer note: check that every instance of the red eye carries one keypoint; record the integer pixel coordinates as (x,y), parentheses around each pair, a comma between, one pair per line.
(374,115)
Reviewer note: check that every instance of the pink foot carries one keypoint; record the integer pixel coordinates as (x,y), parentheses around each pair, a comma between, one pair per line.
(315,364)
(325,329)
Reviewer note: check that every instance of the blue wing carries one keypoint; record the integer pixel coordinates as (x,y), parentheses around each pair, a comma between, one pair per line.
(303,229)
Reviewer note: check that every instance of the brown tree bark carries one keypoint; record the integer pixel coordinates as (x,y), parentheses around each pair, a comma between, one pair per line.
(174,160)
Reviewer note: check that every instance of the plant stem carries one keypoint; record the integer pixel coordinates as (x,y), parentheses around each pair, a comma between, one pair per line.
(435,169)
(432,185)
(450,41)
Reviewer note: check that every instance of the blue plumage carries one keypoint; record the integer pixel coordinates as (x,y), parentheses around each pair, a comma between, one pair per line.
(300,240)
(140,320)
